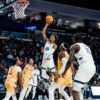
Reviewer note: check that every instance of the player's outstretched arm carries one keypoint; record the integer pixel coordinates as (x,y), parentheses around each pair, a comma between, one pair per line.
(74,49)
(44,32)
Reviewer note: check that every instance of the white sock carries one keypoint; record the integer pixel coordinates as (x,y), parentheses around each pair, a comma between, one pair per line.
(51,91)
(66,96)
(28,91)
(44,74)
(22,94)
(71,97)
(8,96)
(14,97)
(34,91)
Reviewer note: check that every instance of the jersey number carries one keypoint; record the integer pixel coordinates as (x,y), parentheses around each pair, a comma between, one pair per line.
(47,48)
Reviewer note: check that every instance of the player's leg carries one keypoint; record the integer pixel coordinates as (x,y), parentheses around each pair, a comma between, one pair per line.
(78,84)
(51,90)
(83,75)
(64,93)
(10,89)
(28,91)
(70,92)
(14,97)
(22,94)
(8,96)
(80,95)
(44,74)
(69,85)
(34,92)
(44,70)
(52,68)
(75,95)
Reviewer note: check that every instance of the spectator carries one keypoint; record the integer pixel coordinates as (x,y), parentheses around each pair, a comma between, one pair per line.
(10,56)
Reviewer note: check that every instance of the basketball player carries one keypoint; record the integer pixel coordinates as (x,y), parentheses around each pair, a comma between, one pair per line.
(61,82)
(26,77)
(14,75)
(49,49)
(86,68)
(33,82)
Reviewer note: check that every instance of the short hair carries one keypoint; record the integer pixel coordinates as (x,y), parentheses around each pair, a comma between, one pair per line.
(56,37)
(14,61)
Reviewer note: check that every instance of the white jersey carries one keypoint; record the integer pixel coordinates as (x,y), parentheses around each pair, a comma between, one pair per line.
(84,54)
(48,48)
(35,75)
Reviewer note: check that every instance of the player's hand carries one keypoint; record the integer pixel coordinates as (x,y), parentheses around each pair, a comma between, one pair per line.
(47,24)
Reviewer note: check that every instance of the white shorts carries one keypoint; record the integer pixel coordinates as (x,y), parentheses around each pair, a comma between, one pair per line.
(83,75)
(47,64)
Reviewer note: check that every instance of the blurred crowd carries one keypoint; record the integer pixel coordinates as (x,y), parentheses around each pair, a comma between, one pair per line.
(9,49)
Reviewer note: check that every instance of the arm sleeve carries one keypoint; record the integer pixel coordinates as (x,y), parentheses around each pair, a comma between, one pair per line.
(64,62)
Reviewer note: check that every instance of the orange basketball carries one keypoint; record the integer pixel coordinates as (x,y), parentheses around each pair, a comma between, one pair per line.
(49,19)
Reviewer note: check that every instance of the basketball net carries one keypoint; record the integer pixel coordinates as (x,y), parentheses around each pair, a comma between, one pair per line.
(19,9)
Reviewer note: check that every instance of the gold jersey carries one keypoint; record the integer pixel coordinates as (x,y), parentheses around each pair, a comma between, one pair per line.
(60,63)
(67,79)
(12,74)
(26,76)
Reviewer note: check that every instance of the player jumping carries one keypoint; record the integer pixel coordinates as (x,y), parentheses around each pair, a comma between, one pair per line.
(49,49)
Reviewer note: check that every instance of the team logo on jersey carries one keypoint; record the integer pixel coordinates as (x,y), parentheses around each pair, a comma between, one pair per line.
(47,48)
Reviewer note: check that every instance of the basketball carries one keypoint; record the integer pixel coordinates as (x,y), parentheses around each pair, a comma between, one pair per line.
(49,19)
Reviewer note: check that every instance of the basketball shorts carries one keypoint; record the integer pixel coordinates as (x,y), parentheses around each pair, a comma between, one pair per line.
(47,64)
(10,86)
(25,82)
(85,72)
(65,81)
